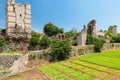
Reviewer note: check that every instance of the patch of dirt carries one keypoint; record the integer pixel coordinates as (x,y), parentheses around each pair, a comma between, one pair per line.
(106,76)
(31,74)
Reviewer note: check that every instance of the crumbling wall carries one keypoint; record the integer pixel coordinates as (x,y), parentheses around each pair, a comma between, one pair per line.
(110,46)
(81,37)
(18,20)
(92,28)
(113,29)
(7,60)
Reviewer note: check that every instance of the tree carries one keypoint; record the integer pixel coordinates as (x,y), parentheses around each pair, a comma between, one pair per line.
(51,30)
(108,33)
(35,38)
(45,41)
(72,33)
(60,49)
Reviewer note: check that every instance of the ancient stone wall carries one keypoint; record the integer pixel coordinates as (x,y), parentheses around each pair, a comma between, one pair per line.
(92,28)
(81,37)
(113,29)
(7,60)
(18,20)
(110,46)
(17,45)
(80,50)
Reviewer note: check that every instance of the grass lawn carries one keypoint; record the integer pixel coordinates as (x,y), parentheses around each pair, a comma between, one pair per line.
(85,67)
(10,52)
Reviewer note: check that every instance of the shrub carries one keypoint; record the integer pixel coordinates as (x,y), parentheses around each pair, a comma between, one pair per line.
(35,38)
(98,43)
(45,42)
(60,49)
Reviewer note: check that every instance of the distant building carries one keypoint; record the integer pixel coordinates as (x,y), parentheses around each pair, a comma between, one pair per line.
(18,20)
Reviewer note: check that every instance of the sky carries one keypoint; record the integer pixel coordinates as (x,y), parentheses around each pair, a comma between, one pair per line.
(69,14)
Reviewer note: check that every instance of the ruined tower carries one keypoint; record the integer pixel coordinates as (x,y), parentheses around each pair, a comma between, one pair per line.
(81,37)
(113,29)
(18,20)
(92,28)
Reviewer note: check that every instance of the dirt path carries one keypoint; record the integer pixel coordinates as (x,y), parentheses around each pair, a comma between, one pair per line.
(31,72)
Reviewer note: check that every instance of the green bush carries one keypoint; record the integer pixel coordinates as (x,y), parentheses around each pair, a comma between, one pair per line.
(45,42)
(35,38)
(51,30)
(98,43)
(116,39)
(60,49)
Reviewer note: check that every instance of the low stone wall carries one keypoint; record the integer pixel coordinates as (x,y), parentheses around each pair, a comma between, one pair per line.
(79,50)
(41,54)
(7,60)
(110,46)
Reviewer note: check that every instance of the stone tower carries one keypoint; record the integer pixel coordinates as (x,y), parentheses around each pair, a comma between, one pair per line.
(92,28)
(81,37)
(113,29)
(18,20)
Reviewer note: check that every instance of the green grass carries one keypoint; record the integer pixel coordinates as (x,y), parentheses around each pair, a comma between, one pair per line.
(108,58)
(10,52)
(85,63)
(20,78)
(3,68)
(54,75)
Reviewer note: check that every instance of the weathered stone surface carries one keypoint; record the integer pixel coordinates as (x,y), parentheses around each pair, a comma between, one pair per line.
(27,21)
(28,6)
(20,64)
(113,29)
(11,19)
(80,50)
(10,8)
(60,36)
(18,15)
(92,28)
(11,25)
(81,37)
(7,60)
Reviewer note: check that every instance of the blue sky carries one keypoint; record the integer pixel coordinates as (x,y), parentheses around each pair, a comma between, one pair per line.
(70,14)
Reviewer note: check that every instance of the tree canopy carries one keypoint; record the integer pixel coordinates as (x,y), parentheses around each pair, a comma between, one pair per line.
(51,30)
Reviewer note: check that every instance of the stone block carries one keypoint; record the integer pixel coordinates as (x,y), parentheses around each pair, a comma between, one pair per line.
(10,8)
(9,30)
(11,19)
(27,21)
(27,26)
(11,25)
(28,6)
(27,16)
(28,11)
(10,14)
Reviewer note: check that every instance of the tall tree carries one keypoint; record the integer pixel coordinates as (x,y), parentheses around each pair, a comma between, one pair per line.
(51,30)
